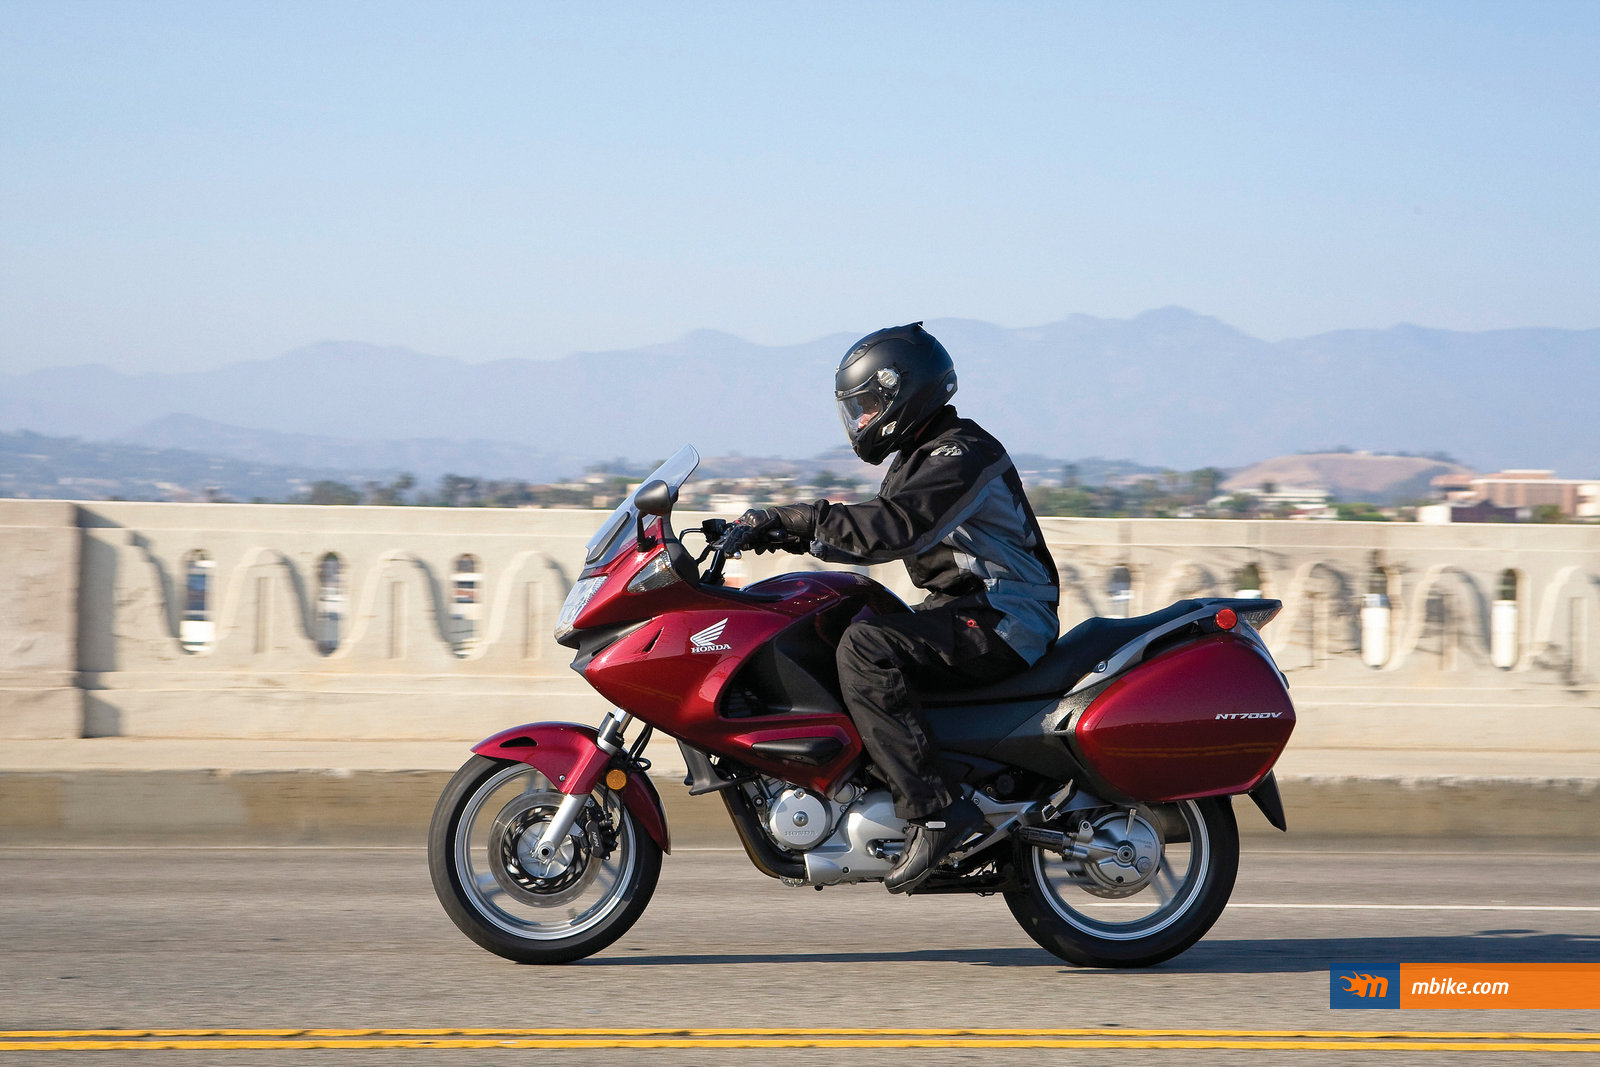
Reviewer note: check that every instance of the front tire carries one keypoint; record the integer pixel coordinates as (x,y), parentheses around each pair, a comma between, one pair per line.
(496,891)
(1109,912)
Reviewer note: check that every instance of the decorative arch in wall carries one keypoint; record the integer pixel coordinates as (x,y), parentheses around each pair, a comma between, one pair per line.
(525,603)
(262,616)
(398,622)
(1187,579)
(144,626)
(1446,623)
(1077,600)
(1320,621)
(1566,633)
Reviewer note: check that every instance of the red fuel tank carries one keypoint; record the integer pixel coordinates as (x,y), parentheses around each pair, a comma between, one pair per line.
(1206,719)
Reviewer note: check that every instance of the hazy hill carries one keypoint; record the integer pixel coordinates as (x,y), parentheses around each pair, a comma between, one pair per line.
(66,468)
(239,464)
(1168,387)
(1348,475)
(427,458)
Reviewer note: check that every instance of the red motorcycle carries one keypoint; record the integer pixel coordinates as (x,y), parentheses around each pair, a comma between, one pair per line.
(1105,771)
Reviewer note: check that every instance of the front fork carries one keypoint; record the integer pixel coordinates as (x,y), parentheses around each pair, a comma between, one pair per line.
(580,782)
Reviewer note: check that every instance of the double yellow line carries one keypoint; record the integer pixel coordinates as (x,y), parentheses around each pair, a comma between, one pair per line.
(760,1037)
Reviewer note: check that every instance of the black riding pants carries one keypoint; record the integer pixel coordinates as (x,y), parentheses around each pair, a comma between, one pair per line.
(883,661)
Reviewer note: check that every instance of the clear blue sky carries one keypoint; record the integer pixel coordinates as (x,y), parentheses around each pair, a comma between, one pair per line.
(189,184)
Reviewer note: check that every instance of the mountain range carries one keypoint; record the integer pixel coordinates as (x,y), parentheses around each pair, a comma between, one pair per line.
(1169,387)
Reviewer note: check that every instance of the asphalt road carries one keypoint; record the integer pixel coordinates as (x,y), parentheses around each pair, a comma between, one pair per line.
(308,938)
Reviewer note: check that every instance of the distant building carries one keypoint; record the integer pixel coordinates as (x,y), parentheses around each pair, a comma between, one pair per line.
(1471,511)
(1573,497)
(1455,486)
(1298,498)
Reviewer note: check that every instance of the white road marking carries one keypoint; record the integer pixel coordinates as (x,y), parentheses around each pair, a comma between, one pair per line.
(1233,905)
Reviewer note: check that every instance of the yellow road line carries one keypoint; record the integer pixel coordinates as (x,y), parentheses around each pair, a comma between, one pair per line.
(753,1031)
(793,1042)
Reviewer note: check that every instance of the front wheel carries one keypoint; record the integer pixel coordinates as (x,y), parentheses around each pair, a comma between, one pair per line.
(1153,882)
(481,855)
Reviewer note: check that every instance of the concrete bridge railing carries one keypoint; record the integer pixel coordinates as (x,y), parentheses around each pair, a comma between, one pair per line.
(268,621)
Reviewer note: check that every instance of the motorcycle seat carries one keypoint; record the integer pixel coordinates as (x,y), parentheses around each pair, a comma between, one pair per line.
(1073,655)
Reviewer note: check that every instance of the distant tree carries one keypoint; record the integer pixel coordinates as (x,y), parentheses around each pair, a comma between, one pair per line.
(1548,513)
(1206,482)
(1359,511)
(457,491)
(510,494)
(391,494)
(329,492)
(1073,501)
(1239,505)
(825,480)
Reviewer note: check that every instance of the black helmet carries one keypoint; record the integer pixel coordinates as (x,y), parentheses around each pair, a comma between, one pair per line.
(888,385)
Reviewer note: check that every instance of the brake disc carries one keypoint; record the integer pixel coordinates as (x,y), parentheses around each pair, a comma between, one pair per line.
(514,839)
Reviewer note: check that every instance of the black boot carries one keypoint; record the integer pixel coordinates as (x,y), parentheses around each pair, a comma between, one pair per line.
(930,841)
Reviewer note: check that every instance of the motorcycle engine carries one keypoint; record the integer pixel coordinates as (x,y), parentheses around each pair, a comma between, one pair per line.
(798,819)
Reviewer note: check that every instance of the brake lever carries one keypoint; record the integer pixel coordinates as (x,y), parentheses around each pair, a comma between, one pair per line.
(713,573)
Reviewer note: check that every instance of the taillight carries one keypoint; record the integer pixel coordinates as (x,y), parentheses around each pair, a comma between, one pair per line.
(1227,618)
(1259,617)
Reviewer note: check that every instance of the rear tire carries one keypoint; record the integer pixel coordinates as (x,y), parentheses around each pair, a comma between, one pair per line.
(1088,918)
(479,842)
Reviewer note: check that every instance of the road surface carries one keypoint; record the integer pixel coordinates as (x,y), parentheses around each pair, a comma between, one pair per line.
(207,940)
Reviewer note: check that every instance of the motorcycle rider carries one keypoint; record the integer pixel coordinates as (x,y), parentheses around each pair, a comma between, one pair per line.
(953,508)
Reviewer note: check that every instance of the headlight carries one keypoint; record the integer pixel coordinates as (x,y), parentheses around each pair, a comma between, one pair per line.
(576,601)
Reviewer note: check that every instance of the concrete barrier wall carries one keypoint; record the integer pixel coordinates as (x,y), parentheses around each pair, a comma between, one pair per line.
(93,606)
(39,573)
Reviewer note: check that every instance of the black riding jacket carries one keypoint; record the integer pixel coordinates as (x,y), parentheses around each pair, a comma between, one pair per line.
(952,506)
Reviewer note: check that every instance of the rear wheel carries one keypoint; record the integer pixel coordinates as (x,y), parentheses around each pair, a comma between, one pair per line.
(1154,881)
(495,889)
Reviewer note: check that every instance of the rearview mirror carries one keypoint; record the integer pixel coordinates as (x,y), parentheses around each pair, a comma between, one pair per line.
(655,498)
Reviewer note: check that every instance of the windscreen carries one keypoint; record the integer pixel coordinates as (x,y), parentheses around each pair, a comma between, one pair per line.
(617,531)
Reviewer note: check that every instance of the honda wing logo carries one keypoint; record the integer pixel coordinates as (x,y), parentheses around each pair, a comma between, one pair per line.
(708,640)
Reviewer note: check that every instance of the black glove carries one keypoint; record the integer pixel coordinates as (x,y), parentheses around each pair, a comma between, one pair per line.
(790,527)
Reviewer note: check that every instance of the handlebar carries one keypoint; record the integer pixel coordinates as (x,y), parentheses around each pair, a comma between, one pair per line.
(717,534)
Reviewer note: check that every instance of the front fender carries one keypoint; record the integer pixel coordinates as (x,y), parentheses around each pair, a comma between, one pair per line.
(569,754)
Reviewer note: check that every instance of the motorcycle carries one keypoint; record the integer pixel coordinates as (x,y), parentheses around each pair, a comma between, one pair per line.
(1105,772)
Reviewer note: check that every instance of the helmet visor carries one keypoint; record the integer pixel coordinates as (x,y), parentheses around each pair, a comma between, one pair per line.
(859,409)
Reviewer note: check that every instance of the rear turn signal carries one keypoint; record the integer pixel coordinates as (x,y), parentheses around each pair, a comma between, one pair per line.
(1227,619)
